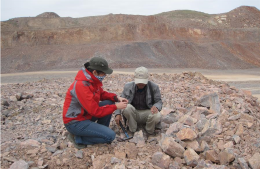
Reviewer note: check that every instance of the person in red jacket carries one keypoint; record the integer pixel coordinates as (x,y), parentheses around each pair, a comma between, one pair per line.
(88,108)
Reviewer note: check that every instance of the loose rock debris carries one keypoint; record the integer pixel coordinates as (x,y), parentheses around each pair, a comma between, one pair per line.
(205,124)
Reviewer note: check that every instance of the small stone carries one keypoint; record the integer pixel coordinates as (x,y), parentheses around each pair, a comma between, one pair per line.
(131,150)
(13,98)
(18,96)
(21,164)
(226,156)
(57,152)
(236,139)
(229,144)
(161,160)
(170,147)
(120,154)
(51,149)
(221,144)
(115,160)
(186,119)
(204,146)
(191,157)
(235,117)
(240,130)
(186,134)
(212,156)
(34,151)
(249,125)
(201,123)
(31,142)
(243,164)
(247,117)
(4,102)
(40,162)
(210,101)
(138,139)
(10,159)
(175,127)
(254,161)
(193,144)
(79,154)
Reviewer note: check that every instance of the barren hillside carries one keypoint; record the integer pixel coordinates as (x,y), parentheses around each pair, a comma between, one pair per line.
(175,39)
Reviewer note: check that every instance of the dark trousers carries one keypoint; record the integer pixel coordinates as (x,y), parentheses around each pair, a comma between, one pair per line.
(93,131)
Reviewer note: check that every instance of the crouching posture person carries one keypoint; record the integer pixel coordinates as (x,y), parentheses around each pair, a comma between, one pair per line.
(88,108)
(144,100)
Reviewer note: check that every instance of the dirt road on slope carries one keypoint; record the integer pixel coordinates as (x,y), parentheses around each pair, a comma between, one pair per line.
(247,79)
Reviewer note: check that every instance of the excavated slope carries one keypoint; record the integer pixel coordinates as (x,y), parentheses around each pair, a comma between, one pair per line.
(176,39)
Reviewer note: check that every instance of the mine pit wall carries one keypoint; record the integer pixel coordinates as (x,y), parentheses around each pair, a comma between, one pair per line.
(126,33)
(125,45)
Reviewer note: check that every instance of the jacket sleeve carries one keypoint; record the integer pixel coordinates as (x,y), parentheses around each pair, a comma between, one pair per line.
(157,98)
(85,97)
(124,95)
(107,96)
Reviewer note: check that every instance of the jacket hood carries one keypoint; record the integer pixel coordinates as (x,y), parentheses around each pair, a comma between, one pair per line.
(84,75)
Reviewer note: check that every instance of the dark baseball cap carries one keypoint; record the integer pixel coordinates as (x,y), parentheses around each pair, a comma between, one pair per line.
(98,63)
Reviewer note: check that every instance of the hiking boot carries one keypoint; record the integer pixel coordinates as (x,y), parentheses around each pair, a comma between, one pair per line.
(72,139)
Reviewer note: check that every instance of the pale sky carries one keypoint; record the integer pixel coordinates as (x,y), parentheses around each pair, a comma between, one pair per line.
(82,8)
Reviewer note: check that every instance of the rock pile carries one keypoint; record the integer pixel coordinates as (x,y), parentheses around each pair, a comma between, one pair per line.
(205,124)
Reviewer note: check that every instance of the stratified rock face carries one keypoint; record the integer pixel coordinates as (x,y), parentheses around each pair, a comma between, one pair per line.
(48,15)
(179,39)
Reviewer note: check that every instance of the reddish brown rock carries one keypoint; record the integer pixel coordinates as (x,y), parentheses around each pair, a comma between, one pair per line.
(226,156)
(170,147)
(254,161)
(240,130)
(131,150)
(186,134)
(193,145)
(31,142)
(161,160)
(191,157)
(212,156)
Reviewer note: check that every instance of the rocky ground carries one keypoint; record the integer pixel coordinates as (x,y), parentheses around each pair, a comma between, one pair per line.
(205,124)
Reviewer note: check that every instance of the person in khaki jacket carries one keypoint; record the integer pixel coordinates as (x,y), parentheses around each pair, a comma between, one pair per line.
(144,100)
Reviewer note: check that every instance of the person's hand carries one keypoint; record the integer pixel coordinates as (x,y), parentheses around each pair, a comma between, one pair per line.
(121,105)
(154,110)
(118,118)
(121,99)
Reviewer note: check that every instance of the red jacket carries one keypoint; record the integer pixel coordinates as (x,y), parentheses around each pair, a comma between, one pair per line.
(83,96)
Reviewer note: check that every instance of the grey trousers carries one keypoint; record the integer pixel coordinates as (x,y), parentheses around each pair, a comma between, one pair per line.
(135,117)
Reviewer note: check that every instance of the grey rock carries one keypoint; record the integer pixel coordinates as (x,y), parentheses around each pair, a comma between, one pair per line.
(115,160)
(21,164)
(243,164)
(254,161)
(4,102)
(79,154)
(169,118)
(13,98)
(210,101)
(18,96)
(201,123)
(57,152)
(6,113)
(51,149)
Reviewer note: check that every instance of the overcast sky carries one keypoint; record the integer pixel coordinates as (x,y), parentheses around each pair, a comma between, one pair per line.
(82,8)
